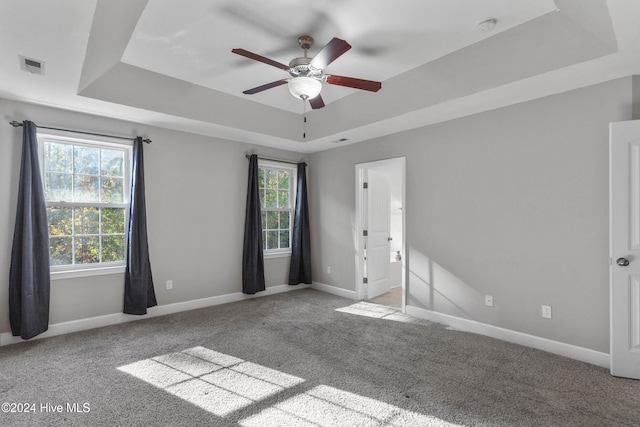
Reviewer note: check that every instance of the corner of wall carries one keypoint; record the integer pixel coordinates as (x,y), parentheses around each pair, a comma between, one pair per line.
(635,97)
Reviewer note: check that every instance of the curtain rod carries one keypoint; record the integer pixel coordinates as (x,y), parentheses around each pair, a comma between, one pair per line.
(16,124)
(273,160)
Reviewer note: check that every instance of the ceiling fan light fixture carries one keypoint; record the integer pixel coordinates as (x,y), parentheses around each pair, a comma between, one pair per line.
(304,87)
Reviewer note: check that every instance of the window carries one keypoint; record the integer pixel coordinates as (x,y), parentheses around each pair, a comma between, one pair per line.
(276,182)
(86,186)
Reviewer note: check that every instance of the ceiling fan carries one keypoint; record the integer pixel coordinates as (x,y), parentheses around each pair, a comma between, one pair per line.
(307,74)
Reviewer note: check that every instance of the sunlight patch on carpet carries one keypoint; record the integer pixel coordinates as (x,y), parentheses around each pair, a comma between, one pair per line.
(329,406)
(213,381)
(222,385)
(368,309)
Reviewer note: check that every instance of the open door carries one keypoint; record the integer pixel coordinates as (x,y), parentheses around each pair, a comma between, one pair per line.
(378,260)
(380,201)
(625,248)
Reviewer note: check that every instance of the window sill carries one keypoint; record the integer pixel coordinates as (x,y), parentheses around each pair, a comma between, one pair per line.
(276,255)
(87,272)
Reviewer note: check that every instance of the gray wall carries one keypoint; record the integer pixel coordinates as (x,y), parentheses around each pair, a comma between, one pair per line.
(196,192)
(511,203)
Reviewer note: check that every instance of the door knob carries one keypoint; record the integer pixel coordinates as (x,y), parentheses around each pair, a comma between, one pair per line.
(622,262)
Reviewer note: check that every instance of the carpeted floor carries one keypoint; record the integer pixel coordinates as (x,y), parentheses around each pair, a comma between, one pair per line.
(302,358)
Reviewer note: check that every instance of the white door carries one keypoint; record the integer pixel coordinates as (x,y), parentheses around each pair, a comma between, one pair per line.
(378,257)
(625,248)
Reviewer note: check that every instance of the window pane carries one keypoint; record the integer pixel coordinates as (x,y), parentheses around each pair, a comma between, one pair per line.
(260,178)
(272,179)
(87,249)
(59,220)
(112,163)
(86,160)
(284,239)
(113,221)
(88,174)
(263,214)
(283,180)
(264,240)
(60,251)
(58,157)
(272,220)
(283,198)
(112,190)
(113,248)
(284,220)
(263,199)
(85,188)
(86,220)
(57,187)
(272,199)
(272,240)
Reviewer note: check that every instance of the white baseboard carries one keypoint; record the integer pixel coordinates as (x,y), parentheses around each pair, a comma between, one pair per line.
(555,347)
(567,350)
(334,290)
(116,318)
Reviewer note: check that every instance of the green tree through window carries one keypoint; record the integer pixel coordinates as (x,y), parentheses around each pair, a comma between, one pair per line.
(86,192)
(276,197)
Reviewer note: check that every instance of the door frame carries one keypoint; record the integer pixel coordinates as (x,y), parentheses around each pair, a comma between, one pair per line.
(360,221)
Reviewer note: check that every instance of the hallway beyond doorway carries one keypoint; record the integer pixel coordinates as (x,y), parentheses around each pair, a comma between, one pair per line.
(393,298)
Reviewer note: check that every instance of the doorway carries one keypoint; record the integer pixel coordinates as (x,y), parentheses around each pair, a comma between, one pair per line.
(380,232)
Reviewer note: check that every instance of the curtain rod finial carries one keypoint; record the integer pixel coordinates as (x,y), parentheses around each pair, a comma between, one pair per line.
(15,123)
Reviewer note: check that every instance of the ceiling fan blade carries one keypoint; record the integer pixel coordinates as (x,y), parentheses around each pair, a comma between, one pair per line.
(369,85)
(257,57)
(264,87)
(316,102)
(332,51)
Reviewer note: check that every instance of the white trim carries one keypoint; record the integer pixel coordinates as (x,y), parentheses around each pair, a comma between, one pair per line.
(361,215)
(268,255)
(344,293)
(97,142)
(567,350)
(293,178)
(117,318)
(71,274)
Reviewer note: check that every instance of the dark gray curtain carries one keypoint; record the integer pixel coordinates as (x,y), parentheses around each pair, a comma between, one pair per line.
(252,260)
(29,280)
(138,283)
(300,268)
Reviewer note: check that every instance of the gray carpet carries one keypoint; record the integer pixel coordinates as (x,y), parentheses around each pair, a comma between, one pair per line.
(303,358)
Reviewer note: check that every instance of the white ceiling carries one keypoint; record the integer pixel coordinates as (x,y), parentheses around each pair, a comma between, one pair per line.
(194,43)
(169,63)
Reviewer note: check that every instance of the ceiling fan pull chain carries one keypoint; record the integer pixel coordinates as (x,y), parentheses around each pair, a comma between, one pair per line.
(304,119)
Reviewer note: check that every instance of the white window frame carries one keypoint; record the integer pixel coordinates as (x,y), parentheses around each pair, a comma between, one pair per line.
(95,269)
(293,172)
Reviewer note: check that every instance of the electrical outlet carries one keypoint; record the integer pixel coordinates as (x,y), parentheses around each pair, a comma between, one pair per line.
(169,284)
(329,270)
(488,300)
(546,311)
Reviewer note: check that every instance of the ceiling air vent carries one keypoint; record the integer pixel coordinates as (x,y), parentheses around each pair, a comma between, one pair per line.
(31,65)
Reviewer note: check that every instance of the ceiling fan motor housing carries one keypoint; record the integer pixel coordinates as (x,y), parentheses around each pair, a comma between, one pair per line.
(300,67)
